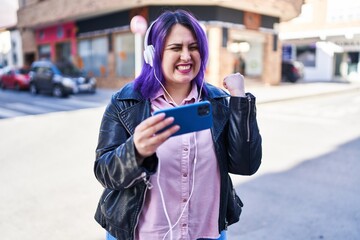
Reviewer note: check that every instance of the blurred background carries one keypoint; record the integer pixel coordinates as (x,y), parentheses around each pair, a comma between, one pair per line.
(300,59)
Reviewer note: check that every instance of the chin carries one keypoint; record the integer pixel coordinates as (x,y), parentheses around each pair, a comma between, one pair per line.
(186,80)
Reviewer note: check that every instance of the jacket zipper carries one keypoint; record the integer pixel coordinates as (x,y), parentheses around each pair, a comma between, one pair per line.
(248,118)
(142,175)
(148,183)
(148,186)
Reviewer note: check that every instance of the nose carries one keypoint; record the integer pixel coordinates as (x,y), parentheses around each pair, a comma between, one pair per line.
(185,55)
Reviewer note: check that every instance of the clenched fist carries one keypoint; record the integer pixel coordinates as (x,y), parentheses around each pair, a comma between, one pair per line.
(234,83)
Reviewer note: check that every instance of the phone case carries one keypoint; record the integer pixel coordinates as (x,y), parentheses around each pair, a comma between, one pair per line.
(191,117)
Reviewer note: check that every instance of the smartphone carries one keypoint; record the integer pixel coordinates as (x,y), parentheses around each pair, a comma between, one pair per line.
(191,117)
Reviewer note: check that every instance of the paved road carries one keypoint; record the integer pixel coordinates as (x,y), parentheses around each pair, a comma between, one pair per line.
(308,185)
(18,104)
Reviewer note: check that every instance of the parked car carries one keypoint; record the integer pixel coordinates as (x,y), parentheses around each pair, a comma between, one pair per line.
(15,78)
(2,67)
(291,71)
(60,79)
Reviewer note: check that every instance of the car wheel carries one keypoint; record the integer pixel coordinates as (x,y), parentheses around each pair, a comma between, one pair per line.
(33,89)
(58,91)
(17,87)
(93,90)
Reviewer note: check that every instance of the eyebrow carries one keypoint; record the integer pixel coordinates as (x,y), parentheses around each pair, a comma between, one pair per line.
(180,44)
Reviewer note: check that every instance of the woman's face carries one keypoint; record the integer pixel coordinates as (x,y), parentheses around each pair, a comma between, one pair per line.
(181,58)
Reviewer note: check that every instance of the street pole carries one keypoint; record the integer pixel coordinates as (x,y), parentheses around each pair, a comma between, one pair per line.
(138,26)
(138,55)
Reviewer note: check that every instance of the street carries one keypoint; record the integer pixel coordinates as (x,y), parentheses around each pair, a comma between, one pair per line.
(306,188)
(308,184)
(22,103)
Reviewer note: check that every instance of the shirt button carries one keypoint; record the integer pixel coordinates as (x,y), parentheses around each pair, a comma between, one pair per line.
(184,200)
(185,175)
(185,149)
(184,224)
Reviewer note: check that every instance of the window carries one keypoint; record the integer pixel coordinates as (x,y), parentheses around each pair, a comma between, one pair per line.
(93,53)
(125,55)
(307,55)
(44,51)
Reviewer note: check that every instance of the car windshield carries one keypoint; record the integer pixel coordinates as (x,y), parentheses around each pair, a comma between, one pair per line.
(68,69)
(22,71)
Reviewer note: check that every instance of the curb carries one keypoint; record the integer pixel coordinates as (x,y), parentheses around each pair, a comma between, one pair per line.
(265,94)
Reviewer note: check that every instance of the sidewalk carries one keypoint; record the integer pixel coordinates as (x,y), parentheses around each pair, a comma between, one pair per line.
(287,91)
(284,91)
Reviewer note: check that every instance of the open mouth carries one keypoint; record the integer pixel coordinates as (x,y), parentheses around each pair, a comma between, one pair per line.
(184,68)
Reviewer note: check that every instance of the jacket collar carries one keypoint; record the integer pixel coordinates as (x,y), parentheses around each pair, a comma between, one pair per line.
(128,93)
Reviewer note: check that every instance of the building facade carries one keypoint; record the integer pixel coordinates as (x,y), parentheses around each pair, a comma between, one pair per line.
(96,35)
(11,48)
(326,38)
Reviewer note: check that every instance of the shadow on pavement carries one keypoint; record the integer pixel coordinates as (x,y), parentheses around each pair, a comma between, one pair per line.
(317,199)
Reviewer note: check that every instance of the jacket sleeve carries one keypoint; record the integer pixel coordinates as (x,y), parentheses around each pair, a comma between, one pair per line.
(244,139)
(115,165)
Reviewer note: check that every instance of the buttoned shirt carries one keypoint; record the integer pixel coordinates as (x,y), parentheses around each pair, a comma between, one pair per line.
(188,178)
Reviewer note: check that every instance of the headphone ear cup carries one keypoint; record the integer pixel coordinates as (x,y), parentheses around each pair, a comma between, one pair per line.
(149,54)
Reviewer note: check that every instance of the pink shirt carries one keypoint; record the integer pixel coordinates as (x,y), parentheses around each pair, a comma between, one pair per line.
(177,157)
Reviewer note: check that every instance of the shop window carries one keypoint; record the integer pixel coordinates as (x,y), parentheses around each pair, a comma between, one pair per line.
(287,52)
(125,55)
(93,54)
(353,61)
(307,55)
(44,51)
(63,51)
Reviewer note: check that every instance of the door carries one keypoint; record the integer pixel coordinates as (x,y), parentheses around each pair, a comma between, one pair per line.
(44,77)
(63,52)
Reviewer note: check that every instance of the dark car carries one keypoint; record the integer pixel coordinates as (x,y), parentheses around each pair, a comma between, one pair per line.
(15,78)
(2,69)
(291,71)
(60,79)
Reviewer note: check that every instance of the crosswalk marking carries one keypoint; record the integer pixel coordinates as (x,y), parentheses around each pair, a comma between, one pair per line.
(17,109)
(22,107)
(18,104)
(53,106)
(8,113)
(79,103)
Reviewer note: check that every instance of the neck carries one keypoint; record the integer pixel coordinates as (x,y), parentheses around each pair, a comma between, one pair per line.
(178,92)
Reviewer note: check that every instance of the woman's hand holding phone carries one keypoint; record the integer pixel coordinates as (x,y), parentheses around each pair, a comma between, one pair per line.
(147,137)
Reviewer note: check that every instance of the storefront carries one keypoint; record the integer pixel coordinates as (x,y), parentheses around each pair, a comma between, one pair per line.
(57,42)
(106,46)
(334,59)
(243,35)
(347,62)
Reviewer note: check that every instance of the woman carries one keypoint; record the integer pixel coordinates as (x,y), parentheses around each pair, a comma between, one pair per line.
(162,187)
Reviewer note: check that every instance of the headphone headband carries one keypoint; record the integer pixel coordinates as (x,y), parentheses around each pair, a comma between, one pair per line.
(147,33)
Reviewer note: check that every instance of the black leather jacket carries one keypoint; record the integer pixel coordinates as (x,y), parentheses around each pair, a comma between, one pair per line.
(237,143)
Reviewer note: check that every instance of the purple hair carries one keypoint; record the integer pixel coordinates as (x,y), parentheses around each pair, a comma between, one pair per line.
(146,82)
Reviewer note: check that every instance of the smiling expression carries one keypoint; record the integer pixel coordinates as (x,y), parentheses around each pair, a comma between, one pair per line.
(181,57)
